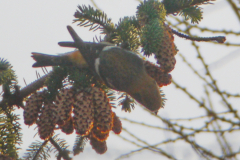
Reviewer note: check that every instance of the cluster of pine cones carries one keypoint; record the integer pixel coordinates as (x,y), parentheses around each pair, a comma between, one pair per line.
(88,112)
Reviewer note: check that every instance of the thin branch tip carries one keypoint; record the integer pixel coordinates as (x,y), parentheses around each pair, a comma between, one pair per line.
(219,39)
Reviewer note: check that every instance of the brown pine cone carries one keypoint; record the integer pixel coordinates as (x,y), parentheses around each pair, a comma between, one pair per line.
(157,73)
(83,113)
(117,124)
(63,102)
(102,110)
(167,51)
(47,121)
(98,135)
(67,127)
(32,108)
(98,146)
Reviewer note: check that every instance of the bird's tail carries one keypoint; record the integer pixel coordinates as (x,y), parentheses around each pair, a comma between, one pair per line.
(45,59)
(66,59)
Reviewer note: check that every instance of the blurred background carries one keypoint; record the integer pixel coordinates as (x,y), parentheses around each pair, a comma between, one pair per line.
(200,119)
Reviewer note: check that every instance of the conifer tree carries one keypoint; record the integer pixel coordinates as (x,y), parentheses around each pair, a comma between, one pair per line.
(74,100)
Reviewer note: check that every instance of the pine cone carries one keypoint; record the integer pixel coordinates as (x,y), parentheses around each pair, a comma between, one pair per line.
(83,113)
(157,73)
(68,127)
(98,146)
(167,51)
(98,135)
(102,111)
(32,108)
(63,102)
(117,124)
(47,121)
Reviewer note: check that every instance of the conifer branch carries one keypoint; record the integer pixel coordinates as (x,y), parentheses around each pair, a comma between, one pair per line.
(194,13)
(93,18)
(38,150)
(151,16)
(4,64)
(17,97)
(36,156)
(7,75)
(175,6)
(235,8)
(127,33)
(62,151)
(10,133)
(35,85)
(79,144)
(219,39)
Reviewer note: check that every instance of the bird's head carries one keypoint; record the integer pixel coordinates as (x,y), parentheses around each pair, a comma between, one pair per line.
(149,95)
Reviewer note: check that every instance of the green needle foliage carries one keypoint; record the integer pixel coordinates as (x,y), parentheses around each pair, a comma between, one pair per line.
(126,102)
(4,65)
(93,18)
(10,133)
(40,150)
(193,13)
(7,75)
(10,129)
(63,77)
(79,144)
(54,81)
(127,33)
(151,15)
(143,30)
(175,6)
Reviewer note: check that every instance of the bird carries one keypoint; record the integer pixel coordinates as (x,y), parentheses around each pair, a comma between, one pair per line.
(120,69)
